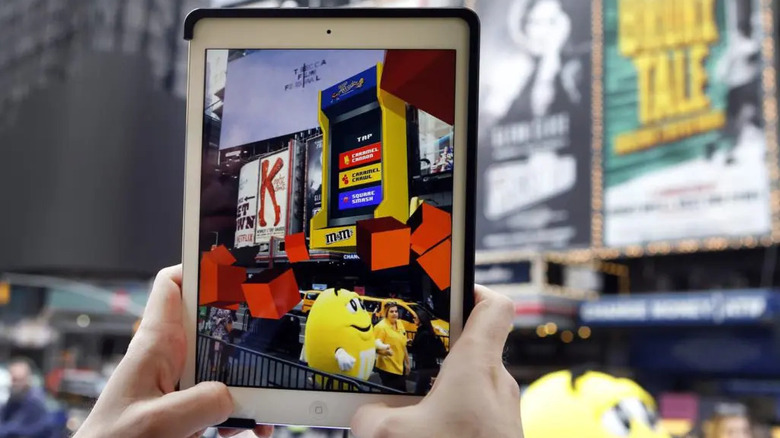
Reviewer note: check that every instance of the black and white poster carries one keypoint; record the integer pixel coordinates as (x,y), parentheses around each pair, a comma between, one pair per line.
(313,201)
(535,125)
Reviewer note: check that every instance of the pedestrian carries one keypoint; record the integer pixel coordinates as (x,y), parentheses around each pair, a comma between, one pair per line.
(25,414)
(427,350)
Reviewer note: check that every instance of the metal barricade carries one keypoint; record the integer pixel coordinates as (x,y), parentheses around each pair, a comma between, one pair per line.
(233,365)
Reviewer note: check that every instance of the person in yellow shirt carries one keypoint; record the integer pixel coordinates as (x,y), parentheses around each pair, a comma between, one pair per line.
(393,366)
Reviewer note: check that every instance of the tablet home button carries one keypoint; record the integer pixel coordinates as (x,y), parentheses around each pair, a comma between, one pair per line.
(318,409)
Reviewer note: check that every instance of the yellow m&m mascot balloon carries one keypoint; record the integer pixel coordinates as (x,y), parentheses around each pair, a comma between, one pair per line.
(339,335)
(589,405)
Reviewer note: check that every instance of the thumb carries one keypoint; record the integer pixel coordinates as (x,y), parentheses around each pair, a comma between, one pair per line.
(196,408)
(368,420)
(379,420)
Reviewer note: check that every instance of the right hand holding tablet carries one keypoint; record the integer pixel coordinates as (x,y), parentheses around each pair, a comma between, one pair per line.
(474,395)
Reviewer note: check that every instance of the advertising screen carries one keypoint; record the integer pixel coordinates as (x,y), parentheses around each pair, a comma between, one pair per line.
(535,125)
(685,152)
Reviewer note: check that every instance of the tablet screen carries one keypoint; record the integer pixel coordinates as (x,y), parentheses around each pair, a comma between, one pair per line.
(325,219)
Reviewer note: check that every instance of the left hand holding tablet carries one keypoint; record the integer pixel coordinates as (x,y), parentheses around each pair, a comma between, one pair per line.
(140,399)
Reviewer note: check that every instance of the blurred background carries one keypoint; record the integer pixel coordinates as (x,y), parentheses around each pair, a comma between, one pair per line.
(628,197)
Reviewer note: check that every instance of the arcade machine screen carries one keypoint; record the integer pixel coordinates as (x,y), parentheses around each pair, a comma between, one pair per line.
(322,265)
(355,143)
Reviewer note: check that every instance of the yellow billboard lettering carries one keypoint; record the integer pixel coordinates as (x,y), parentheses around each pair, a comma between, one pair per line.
(654,28)
(650,137)
(689,21)
(664,104)
(671,84)
(673,18)
(627,25)
(698,75)
(680,81)
(709,24)
(644,70)
(649,25)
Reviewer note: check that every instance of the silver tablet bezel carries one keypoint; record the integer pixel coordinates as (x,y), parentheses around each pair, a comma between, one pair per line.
(283,406)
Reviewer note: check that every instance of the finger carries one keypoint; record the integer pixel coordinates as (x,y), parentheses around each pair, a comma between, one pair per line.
(186,412)
(487,326)
(379,420)
(264,430)
(164,303)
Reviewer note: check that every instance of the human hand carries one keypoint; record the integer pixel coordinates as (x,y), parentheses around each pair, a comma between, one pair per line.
(140,399)
(474,395)
(381,346)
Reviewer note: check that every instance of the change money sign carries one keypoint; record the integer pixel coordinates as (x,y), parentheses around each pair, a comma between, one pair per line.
(684,152)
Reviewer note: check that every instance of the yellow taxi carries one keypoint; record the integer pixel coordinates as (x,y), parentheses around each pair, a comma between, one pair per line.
(308,300)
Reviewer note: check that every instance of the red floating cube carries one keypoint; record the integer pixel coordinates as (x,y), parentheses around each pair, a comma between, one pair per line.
(220,285)
(272,293)
(436,263)
(430,225)
(383,243)
(221,256)
(295,246)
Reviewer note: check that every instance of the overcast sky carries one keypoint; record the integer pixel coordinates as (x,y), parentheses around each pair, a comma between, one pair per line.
(257,104)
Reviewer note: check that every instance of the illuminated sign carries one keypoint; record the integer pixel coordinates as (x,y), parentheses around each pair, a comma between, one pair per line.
(346,87)
(365,80)
(730,307)
(360,198)
(338,236)
(360,176)
(360,156)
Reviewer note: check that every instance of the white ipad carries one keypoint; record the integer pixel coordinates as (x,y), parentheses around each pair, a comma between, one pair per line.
(329,209)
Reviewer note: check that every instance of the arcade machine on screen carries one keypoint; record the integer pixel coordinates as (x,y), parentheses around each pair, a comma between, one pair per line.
(364,159)
(355,140)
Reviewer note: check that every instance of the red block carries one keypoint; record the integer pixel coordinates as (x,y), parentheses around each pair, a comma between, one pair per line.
(274,293)
(220,285)
(227,306)
(436,263)
(383,243)
(431,225)
(423,78)
(221,256)
(295,246)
